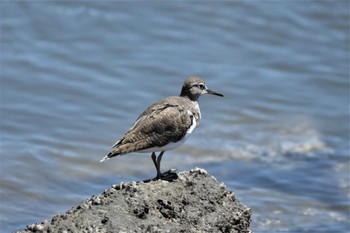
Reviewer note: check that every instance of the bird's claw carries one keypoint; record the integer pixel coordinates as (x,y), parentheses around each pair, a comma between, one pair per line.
(170,176)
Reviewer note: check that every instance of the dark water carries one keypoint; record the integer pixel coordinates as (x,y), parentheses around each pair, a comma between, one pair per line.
(75,75)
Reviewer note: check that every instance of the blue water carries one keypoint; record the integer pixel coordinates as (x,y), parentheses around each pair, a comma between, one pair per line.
(75,76)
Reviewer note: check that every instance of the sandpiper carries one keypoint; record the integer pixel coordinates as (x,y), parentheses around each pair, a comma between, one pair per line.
(164,125)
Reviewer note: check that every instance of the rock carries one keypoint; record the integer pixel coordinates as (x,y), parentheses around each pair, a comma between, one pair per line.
(195,202)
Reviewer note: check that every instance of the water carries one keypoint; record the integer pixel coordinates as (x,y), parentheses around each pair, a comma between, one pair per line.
(75,75)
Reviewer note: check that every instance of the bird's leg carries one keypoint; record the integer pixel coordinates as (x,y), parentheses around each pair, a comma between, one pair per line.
(154,159)
(158,164)
(169,175)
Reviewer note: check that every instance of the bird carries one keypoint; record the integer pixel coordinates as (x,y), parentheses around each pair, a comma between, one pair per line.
(164,125)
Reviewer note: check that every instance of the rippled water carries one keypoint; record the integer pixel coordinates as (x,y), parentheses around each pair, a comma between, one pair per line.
(75,75)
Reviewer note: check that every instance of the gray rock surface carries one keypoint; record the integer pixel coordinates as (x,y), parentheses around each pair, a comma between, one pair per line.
(195,202)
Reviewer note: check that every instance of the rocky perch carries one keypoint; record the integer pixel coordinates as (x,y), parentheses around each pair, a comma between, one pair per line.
(195,202)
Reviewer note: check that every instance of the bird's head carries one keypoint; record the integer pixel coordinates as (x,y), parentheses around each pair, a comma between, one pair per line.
(194,87)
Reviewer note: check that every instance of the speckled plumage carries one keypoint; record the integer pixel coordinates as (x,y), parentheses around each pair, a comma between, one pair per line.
(165,124)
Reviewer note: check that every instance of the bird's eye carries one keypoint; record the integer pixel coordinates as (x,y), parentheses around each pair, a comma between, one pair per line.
(201,86)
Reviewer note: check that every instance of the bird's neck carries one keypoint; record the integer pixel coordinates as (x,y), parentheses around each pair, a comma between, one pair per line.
(189,96)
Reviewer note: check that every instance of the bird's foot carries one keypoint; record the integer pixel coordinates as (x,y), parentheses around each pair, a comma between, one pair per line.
(170,176)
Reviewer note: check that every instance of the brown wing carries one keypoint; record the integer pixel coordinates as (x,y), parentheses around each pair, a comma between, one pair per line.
(156,127)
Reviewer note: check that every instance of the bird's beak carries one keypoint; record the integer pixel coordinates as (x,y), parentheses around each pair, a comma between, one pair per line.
(214,93)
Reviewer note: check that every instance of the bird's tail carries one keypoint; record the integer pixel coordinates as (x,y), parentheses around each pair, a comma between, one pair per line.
(110,155)
(118,149)
(104,158)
